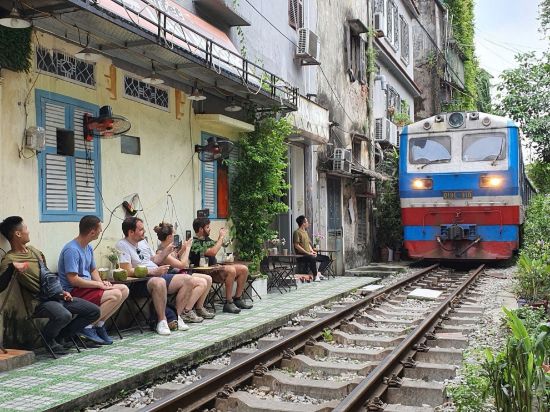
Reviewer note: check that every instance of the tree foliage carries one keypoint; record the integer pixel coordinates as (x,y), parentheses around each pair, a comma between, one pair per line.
(463,32)
(524,95)
(259,185)
(539,174)
(544,17)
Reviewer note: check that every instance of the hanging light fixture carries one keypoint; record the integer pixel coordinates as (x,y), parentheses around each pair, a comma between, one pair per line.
(88,53)
(152,79)
(196,94)
(233,106)
(14,20)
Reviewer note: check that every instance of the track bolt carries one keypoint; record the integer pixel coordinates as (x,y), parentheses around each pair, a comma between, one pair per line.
(421,347)
(393,381)
(409,362)
(288,354)
(430,336)
(375,405)
(225,392)
(344,322)
(311,342)
(259,370)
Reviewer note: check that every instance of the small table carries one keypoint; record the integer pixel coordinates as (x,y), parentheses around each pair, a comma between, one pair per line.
(132,284)
(330,269)
(281,270)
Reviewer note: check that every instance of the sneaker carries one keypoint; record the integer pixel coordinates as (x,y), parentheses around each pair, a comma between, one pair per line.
(241,304)
(320,277)
(162,328)
(57,348)
(191,317)
(317,279)
(230,307)
(203,313)
(173,325)
(91,335)
(102,333)
(181,324)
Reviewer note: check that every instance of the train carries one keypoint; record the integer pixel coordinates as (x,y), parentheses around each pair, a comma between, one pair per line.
(462,186)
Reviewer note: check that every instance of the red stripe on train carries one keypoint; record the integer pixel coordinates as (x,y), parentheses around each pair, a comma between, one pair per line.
(482,250)
(480,215)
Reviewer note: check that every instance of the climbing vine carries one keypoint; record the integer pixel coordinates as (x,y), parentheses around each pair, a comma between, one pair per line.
(15,49)
(463,32)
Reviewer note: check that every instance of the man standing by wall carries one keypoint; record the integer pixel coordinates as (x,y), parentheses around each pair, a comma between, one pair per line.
(78,274)
(309,256)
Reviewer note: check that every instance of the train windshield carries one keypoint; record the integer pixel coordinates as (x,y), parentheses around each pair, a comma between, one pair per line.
(423,150)
(483,147)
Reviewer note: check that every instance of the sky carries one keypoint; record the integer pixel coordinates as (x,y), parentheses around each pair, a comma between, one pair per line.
(503,28)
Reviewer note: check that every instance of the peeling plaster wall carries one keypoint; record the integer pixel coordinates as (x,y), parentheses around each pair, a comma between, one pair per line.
(332,21)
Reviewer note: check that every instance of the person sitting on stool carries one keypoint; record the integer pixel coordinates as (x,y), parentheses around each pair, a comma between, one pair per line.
(309,256)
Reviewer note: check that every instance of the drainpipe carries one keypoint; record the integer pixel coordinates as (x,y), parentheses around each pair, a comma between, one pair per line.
(370,112)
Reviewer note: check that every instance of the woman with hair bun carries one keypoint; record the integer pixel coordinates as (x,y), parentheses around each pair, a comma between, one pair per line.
(179,260)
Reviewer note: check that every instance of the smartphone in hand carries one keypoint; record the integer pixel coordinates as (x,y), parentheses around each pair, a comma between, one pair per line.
(187,234)
(177,241)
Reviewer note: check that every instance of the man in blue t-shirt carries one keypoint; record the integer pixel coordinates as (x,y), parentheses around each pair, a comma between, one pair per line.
(79,276)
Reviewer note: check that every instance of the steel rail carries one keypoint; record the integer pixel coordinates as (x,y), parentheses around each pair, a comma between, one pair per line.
(205,390)
(360,395)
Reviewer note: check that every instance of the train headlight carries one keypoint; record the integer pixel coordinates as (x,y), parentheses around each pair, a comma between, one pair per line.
(422,184)
(491,181)
(456,119)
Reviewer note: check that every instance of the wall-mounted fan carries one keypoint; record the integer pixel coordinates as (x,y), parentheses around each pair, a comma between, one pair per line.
(106,124)
(214,149)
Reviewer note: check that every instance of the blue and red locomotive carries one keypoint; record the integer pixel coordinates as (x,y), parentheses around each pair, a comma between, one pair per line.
(462,186)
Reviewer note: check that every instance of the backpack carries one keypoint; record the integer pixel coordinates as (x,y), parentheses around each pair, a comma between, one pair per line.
(50,286)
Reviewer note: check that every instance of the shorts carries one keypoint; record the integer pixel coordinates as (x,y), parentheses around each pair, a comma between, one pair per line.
(93,295)
(140,289)
(218,275)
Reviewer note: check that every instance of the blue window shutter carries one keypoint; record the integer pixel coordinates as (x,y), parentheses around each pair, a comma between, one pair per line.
(68,184)
(209,184)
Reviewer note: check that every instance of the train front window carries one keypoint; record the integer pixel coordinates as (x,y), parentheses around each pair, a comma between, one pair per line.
(433,149)
(484,147)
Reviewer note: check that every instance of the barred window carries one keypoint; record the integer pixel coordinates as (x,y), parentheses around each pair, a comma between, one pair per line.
(404,40)
(392,22)
(63,65)
(362,226)
(378,6)
(135,89)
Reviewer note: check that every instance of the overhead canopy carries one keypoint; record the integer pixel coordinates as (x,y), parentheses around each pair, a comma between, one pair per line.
(185,48)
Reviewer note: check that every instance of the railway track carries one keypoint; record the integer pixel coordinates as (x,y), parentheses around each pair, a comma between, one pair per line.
(383,352)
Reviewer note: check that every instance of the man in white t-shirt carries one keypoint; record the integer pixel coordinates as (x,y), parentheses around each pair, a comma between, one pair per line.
(136,251)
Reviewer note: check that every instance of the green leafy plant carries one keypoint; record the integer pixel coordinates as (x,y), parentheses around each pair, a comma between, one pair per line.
(259,185)
(533,278)
(517,379)
(536,229)
(327,335)
(402,118)
(15,49)
(531,317)
(471,393)
(113,256)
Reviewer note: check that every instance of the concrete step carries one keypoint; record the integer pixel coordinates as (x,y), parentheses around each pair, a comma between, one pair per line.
(302,363)
(366,340)
(15,358)
(322,349)
(320,389)
(245,402)
(416,393)
(440,355)
(207,369)
(431,371)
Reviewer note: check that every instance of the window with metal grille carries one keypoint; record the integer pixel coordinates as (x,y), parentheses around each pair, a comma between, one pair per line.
(361,220)
(356,54)
(216,180)
(296,13)
(68,184)
(139,91)
(60,64)
(334,204)
(404,40)
(393,102)
(392,23)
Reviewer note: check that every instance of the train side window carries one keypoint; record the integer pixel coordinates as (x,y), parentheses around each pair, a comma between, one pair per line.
(429,149)
(483,147)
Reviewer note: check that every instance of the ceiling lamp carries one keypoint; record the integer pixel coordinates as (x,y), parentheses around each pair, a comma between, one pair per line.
(196,94)
(14,20)
(87,53)
(152,79)
(233,106)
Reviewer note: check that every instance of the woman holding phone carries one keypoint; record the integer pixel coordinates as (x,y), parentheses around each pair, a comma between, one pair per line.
(179,260)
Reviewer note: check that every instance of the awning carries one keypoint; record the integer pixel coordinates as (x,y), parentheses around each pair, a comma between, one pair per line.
(311,122)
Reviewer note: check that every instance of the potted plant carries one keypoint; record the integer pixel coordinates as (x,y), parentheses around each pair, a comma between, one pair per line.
(317,238)
(113,257)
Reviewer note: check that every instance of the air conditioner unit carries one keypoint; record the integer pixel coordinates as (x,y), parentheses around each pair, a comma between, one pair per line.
(342,160)
(391,132)
(379,24)
(308,47)
(386,131)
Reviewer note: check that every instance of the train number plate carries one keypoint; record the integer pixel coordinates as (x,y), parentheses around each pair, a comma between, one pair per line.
(463,194)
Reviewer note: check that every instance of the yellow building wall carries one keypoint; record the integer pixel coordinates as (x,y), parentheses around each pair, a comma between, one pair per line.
(165,149)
